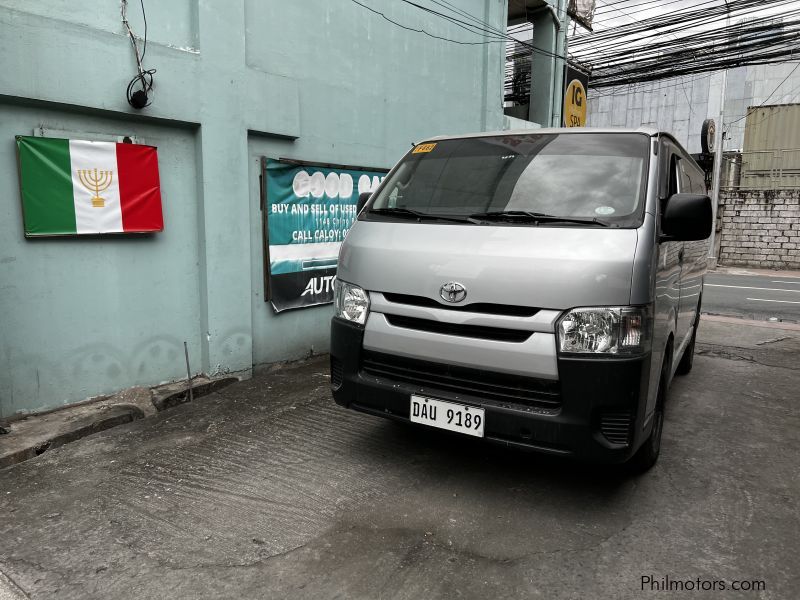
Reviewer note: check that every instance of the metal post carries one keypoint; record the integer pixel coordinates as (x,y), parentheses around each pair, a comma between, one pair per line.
(718,152)
(716,184)
(188,372)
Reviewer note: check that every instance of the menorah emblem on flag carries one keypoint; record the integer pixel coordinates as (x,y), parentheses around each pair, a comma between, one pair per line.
(96,181)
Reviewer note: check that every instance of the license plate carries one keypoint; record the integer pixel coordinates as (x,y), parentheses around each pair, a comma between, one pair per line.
(447,415)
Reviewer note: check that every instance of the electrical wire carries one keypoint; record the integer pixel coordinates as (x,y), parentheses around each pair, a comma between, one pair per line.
(622,42)
(620,11)
(483,29)
(688,24)
(143,80)
(707,13)
(651,31)
(793,94)
(479,24)
(423,31)
(645,86)
(639,51)
(144,18)
(719,7)
(768,116)
(636,14)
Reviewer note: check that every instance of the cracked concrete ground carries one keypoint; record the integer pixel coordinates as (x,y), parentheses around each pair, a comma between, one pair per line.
(267,489)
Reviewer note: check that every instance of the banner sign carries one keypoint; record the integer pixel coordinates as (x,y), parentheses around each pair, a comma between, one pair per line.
(75,187)
(575,85)
(308,210)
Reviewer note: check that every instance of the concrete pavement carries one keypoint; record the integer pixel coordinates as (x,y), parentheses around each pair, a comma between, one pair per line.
(29,436)
(9,590)
(267,489)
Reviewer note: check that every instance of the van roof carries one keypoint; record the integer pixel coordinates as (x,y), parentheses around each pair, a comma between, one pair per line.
(651,131)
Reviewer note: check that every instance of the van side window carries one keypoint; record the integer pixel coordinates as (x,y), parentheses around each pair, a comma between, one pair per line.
(674,169)
(668,180)
(687,185)
(699,181)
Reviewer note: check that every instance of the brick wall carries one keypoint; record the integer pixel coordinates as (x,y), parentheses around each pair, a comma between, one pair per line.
(760,228)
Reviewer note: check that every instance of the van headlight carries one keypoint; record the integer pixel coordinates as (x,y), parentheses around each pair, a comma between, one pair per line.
(623,330)
(350,302)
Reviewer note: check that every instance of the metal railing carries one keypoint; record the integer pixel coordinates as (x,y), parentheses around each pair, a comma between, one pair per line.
(761,170)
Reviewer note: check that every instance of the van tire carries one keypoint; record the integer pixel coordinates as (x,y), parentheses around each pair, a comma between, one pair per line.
(649,451)
(687,360)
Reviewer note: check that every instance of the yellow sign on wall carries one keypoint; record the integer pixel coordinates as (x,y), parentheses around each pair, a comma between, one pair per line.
(575,104)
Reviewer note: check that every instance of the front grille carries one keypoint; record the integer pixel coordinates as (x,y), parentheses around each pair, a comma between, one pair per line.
(474,331)
(489,385)
(616,427)
(337,373)
(477,307)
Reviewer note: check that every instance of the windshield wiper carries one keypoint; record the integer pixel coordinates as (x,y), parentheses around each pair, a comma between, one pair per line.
(415,214)
(536,217)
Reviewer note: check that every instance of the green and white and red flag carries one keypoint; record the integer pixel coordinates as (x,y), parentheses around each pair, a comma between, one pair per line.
(80,187)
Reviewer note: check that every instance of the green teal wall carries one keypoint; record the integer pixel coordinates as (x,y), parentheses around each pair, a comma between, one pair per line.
(318,80)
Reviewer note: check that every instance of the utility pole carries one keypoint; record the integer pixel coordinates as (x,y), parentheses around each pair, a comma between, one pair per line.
(719,142)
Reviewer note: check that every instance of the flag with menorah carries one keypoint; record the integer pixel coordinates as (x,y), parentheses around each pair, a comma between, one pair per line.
(74,187)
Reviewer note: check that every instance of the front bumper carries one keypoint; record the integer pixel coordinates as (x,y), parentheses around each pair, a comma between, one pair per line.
(597,416)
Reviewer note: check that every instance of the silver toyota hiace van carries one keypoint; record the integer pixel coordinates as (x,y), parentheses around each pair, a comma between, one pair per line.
(538,289)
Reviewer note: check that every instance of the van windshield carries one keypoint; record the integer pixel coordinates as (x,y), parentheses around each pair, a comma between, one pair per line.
(564,178)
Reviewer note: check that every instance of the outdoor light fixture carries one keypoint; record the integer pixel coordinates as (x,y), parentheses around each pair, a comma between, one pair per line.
(138,99)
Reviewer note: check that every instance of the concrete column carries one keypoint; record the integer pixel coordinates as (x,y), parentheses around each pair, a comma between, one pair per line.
(543,67)
(496,14)
(561,61)
(224,220)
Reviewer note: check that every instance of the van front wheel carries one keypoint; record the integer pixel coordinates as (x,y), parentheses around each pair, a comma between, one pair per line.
(648,453)
(687,360)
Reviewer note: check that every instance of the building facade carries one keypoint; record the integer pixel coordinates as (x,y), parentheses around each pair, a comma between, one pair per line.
(318,80)
(681,104)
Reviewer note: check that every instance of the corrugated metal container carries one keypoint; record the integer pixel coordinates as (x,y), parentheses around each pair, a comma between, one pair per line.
(771,155)
(775,127)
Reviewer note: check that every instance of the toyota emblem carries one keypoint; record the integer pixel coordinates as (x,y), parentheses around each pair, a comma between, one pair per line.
(453,292)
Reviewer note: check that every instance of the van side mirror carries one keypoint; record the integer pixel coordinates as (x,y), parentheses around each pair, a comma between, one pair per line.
(362,200)
(686,218)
